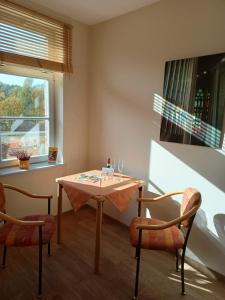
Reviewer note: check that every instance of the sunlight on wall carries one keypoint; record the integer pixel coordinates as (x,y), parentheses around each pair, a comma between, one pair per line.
(162,163)
(207,133)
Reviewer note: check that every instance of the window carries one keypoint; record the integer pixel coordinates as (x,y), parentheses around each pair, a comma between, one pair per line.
(31,45)
(26,113)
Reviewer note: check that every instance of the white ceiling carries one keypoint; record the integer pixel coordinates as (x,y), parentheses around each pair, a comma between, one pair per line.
(92,11)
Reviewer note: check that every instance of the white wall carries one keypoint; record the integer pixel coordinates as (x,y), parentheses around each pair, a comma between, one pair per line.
(71,126)
(127,58)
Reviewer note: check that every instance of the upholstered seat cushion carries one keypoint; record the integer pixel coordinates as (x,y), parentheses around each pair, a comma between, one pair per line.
(166,239)
(26,235)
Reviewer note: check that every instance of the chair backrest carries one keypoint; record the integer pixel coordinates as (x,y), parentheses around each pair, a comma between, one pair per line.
(2,198)
(191,198)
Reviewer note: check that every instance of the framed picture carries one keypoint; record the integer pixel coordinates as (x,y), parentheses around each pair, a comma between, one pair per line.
(193,101)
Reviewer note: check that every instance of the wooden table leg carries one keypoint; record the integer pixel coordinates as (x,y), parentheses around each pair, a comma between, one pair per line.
(98,235)
(140,195)
(59,216)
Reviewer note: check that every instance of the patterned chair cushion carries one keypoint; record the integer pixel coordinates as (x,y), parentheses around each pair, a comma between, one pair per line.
(23,235)
(166,239)
(191,197)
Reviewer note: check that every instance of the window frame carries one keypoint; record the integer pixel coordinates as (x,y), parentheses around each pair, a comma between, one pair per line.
(38,74)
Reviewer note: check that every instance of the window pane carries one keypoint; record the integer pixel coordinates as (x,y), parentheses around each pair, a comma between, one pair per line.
(23,96)
(30,135)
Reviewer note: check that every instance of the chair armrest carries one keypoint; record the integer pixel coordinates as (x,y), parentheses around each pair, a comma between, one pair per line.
(159,198)
(13,220)
(11,187)
(170,223)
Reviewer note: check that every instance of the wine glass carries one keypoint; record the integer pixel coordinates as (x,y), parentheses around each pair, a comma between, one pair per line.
(120,167)
(114,165)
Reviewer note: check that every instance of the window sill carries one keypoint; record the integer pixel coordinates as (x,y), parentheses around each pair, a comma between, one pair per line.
(33,167)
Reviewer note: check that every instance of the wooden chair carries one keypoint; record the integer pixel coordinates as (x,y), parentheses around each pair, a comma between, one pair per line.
(156,234)
(35,230)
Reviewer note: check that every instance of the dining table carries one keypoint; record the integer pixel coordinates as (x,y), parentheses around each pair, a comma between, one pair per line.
(119,189)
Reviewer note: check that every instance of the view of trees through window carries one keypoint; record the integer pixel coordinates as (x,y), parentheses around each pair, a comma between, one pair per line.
(24,115)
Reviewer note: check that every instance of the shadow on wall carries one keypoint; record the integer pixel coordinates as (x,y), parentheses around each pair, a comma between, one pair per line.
(209,170)
(207,247)
(194,156)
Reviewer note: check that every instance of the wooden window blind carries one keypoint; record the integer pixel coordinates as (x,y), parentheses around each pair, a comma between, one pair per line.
(32,39)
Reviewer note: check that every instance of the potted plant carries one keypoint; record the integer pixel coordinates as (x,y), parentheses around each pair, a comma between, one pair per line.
(24,159)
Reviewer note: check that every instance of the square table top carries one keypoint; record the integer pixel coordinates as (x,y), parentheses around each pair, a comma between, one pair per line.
(83,186)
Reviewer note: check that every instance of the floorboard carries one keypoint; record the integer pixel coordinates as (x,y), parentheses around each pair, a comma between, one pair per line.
(68,273)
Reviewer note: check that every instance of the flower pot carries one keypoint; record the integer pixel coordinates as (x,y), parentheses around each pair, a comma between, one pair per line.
(24,164)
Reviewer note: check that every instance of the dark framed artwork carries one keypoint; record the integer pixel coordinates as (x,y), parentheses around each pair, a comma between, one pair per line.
(194,100)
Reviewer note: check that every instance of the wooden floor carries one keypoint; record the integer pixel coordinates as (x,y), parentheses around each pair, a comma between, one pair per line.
(68,273)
